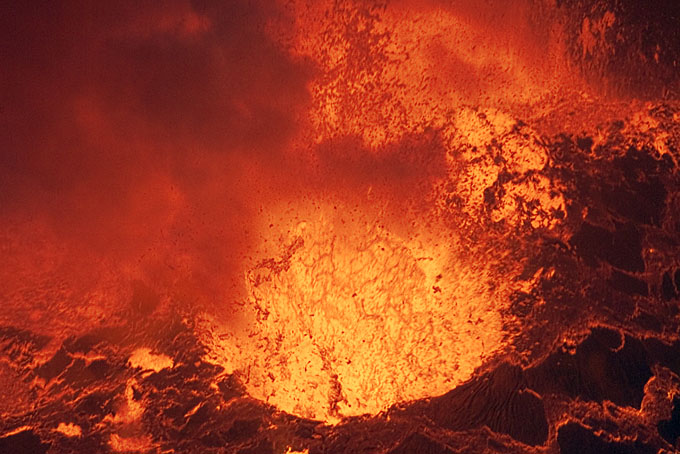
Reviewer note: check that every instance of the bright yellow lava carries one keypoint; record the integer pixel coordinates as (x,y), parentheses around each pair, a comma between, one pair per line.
(351,319)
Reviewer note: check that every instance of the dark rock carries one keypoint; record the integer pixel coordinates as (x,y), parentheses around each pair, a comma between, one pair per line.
(231,387)
(80,375)
(203,414)
(243,429)
(213,440)
(117,335)
(82,344)
(305,429)
(670,429)
(522,303)
(262,447)
(663,354)
(419,443)
(25,442)
(55,366)
(647,321)
(668,291)
(621,248)
(76,376)
(584,143)
(96,443)
(641,198)
(597,371)
(499,400)
(573,438)
(95,404)
(20,345)
(628,284)
(100,369)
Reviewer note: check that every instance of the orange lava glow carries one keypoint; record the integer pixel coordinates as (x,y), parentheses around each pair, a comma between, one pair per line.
(346,311)
(349,318)
(338,194)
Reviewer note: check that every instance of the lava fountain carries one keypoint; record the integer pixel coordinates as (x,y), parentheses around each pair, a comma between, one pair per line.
(340,226)
(350,318)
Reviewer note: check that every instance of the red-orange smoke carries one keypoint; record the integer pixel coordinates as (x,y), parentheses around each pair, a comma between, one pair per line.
(138,133)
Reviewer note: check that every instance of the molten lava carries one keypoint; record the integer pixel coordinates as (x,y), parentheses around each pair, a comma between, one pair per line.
(351,318)
(319,226)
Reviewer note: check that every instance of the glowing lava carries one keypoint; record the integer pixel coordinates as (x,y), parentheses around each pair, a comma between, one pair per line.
(351,318)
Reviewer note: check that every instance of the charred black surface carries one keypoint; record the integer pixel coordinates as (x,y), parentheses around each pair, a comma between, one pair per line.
(499,400)
(55,366)
(621,247)
(573,438)
(600,369)
(669,429)
(628,284)
(668,290)
(25,442)
(638,194)
(664,354)
(635,46)
(419,443)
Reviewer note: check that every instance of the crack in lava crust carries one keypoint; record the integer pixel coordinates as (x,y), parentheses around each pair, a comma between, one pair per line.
(351,319)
